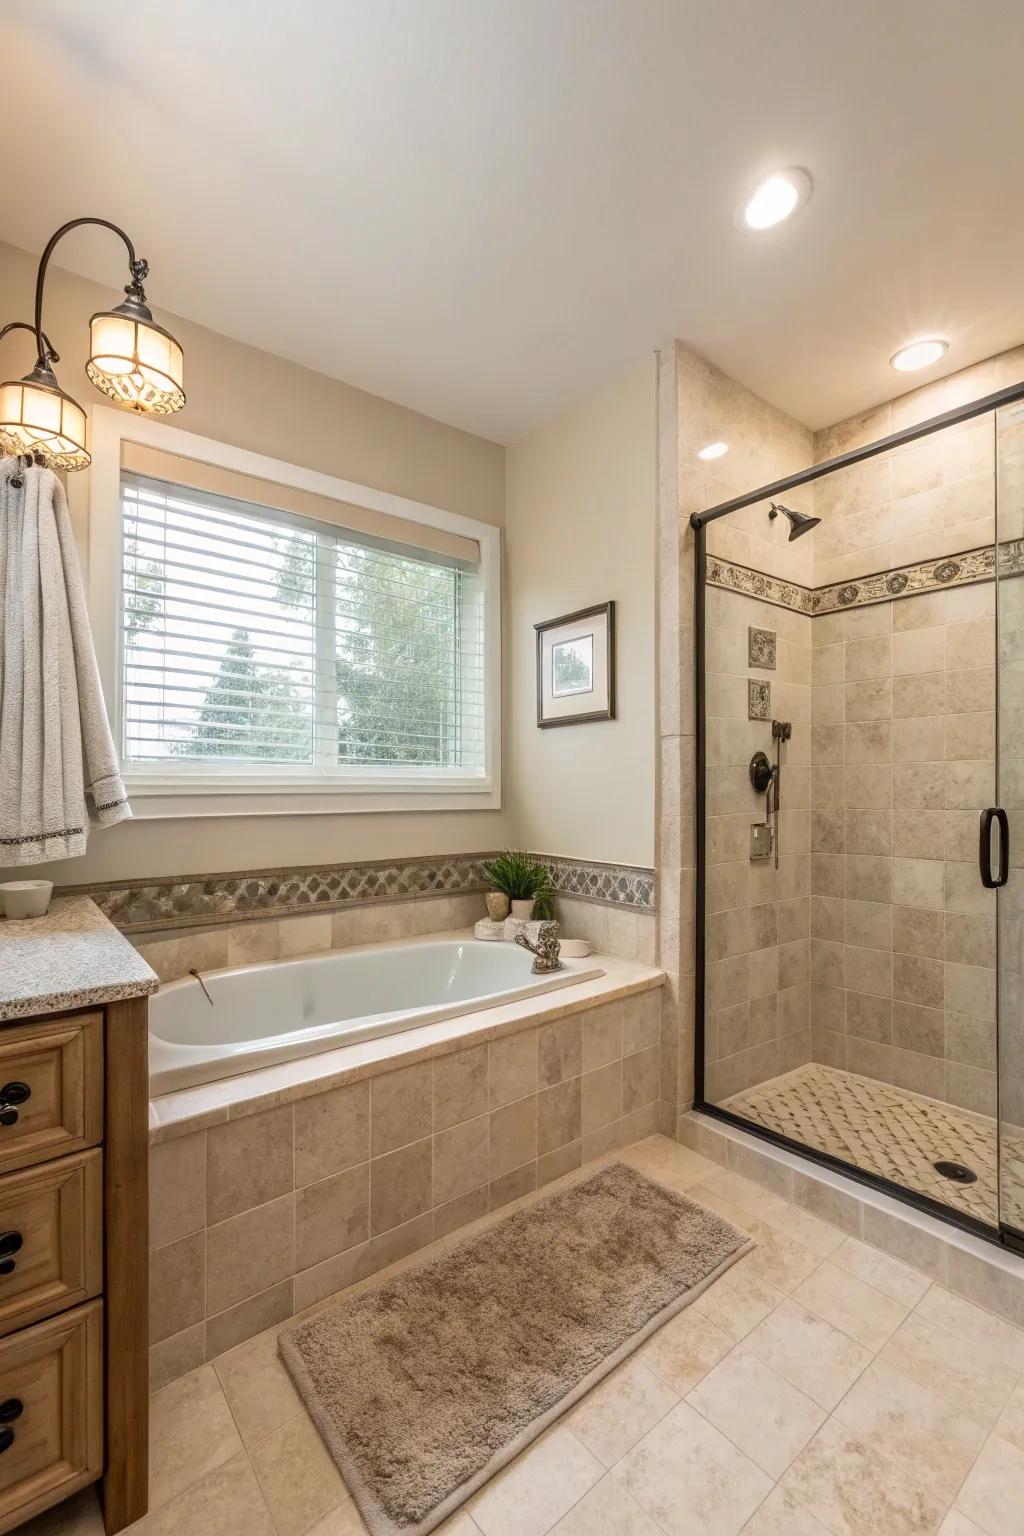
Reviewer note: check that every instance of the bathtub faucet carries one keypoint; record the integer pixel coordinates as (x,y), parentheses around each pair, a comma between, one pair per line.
(545,951)
(202,983)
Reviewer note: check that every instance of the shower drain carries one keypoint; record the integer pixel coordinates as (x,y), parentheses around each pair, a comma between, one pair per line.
(957,1172)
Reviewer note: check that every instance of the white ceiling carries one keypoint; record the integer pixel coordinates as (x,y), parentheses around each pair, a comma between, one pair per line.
(484,208)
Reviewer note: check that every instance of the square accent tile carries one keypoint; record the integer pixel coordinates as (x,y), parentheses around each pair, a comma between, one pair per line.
(761,648)
(759,699)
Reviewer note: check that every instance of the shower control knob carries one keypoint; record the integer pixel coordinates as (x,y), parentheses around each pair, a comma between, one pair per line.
(11,1096)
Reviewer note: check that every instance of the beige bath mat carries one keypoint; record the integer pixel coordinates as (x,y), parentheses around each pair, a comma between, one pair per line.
(425,1385)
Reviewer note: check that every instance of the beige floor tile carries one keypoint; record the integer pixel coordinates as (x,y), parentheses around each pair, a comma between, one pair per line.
(994,1490)
(673,1164)
(876,1268)
(191,1432)
(931,1443)
(684,1350)
(227,1502)
(533,1492)
(297,1475)
(691,1479)
(345,1520)
(750,1197)
(767,1417)
(257,1386)
(969,1379)
(993,1493)
(620,1410)
(841,1480)
(1011,1420)
(850,1305)
(998,1339)
(705,1195)
(808,1352)
(607,1510)
(737,1301)
(778,1259)
(956,1524)
(817,1236)
(78,1516)
(782,1515)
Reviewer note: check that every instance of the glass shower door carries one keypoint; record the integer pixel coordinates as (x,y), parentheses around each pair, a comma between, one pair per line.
(1008,841)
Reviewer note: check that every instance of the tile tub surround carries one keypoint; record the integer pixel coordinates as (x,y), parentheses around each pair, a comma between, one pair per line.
(182,901)
(819,1388)
(262,1205)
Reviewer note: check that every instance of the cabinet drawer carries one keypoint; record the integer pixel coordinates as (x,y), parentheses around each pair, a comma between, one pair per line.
(51,1238)
(51,1395)
(51,1089)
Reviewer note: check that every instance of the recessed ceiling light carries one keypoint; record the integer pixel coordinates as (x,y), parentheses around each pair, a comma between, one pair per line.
(777,197)
(713,451)
(918,354)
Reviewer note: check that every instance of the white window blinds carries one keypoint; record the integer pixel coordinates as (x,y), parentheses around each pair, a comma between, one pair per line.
(257,641)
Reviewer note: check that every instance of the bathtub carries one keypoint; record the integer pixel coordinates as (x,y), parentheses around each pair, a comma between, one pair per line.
(272,1012)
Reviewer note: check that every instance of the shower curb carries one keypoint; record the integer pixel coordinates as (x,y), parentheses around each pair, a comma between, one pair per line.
(983,1272)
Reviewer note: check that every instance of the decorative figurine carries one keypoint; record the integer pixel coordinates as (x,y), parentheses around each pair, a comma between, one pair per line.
(545,951)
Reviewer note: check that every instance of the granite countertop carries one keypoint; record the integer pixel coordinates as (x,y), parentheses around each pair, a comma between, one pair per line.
(70,958)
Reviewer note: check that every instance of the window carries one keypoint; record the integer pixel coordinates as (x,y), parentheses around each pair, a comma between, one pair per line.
(261,648)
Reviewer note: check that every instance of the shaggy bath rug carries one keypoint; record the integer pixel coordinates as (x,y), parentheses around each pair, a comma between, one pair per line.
(425,1385)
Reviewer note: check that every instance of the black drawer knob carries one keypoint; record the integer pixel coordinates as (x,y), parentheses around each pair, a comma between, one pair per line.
(11,1095)
(10,1244)
(6,1439)
(10,1409)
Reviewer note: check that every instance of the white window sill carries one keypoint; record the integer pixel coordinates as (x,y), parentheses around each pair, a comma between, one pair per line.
(155,797)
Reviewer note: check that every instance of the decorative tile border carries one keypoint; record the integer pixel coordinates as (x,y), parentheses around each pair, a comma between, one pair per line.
(957,570)
(621,885)
(189,901)
(767,589)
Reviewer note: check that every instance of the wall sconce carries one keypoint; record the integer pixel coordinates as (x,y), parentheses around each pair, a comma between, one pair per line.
(132,360)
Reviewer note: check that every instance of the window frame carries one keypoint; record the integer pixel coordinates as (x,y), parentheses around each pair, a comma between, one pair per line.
(161,792)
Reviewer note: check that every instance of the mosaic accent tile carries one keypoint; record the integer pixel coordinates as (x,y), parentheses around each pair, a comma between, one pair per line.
(767,589)
(759,699)
(761,648)
(886,1131)
(619,884)
(959,570)
(144,906)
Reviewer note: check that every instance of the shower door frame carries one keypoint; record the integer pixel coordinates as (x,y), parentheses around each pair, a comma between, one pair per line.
(999,1234)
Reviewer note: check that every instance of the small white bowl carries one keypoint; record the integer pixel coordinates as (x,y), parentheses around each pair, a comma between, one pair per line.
(573,949)
(26,898)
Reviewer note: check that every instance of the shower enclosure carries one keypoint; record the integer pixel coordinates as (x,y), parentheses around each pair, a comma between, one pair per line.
(860,811)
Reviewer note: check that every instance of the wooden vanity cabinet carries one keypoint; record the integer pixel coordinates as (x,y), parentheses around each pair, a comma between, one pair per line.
(74,1216)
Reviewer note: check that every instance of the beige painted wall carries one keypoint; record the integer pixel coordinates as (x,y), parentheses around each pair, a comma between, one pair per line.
(580,529)
(239,395)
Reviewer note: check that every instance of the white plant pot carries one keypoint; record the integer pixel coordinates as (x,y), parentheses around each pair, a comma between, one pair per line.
(523,910)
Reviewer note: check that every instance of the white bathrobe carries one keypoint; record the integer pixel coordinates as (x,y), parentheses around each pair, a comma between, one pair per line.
(58,767)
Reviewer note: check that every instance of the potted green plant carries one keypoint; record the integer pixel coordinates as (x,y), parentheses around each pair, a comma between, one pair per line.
(525,885)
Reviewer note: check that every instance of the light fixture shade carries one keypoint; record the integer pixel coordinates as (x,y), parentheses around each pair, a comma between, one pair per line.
(39,418)
(135,361)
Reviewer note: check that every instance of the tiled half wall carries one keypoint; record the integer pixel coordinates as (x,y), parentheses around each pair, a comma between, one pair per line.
(257,1217)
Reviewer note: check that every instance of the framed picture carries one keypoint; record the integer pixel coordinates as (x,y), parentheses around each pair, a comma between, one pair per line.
(576,667)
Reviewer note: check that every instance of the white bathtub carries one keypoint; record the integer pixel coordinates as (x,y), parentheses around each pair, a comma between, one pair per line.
(262,1014)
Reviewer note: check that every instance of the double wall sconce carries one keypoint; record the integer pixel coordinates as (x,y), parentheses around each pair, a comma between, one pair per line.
(132,360)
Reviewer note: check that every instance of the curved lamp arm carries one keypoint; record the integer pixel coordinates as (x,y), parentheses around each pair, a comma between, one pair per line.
(139,270)
(52,355)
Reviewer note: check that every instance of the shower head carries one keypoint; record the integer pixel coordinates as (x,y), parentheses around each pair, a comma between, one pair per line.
(801,522)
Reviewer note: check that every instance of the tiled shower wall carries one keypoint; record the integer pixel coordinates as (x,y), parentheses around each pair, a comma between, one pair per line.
(902,932)
(758,923)
(699,404)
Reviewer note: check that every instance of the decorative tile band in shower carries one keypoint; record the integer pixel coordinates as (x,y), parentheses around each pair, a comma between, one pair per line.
(957,570)
(189,901)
